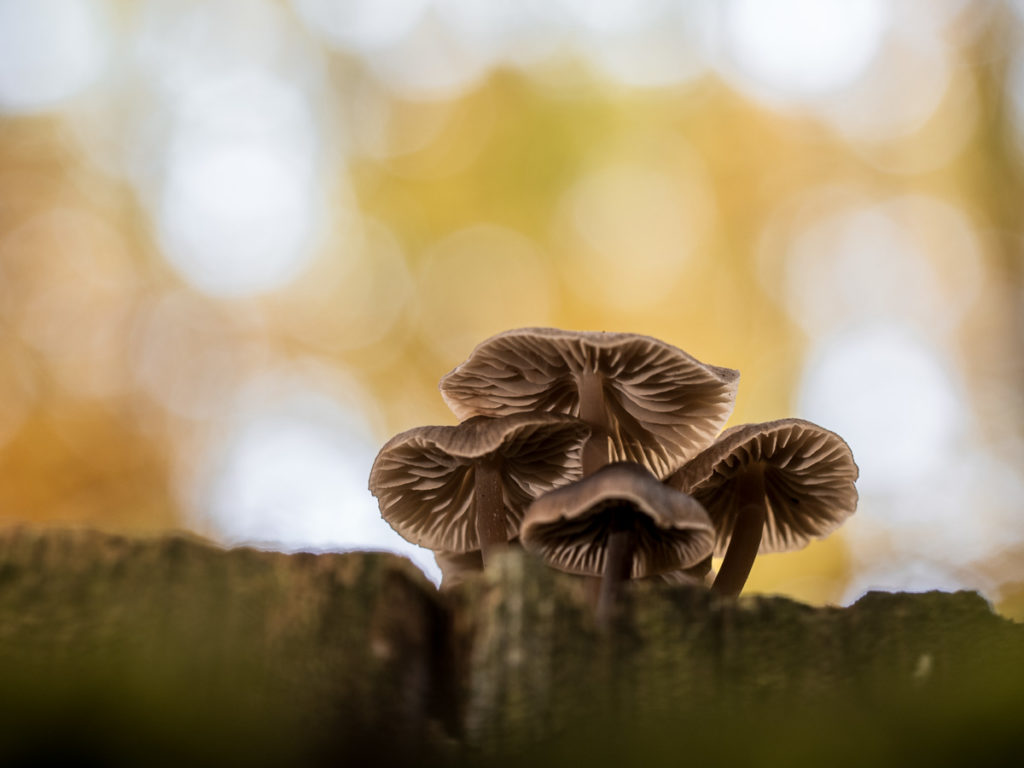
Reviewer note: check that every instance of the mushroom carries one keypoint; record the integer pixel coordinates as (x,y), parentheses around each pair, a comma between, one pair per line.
(770,487)
(696,575)
(456,566)
(646,401)
(459,489)
(618,523)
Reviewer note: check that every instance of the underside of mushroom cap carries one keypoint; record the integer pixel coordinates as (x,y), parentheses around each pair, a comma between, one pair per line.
(809,476)
(424,478)
(569,527)
(663,404)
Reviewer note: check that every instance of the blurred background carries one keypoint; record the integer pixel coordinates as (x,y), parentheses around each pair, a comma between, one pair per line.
(241,241)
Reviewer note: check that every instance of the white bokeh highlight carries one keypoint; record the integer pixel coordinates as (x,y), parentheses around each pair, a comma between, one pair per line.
(360,25)
(50,51)
(892,396)
(235,105)
(935,505)
(433,61)
(291,474)
(238,207)
(793,49)
(903,88)
(653,44)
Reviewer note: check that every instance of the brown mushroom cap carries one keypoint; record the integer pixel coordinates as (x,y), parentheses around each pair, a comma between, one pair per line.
(424,478)
(809,476)
(569,527)
(664,405)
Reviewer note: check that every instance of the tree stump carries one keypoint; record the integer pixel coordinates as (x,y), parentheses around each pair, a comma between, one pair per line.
(171,650)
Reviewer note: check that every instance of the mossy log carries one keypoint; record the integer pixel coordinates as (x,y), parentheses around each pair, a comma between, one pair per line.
(171,650)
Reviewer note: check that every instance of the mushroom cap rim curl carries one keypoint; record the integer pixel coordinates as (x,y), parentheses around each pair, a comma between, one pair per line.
(664,404)
(564,527)
(809,476)
(423,478)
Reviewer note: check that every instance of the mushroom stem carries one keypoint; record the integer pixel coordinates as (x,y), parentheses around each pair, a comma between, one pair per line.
(746,533)
(618,564)
(488,498)
(593,412)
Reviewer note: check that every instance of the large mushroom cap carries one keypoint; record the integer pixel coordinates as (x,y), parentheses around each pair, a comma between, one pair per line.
(424,478)
(809,476)
(569,527)
(663,405)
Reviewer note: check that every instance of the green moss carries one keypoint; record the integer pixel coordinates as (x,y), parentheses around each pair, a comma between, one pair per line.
(129,652)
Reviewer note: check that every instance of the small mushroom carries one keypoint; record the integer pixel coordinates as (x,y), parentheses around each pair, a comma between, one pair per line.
(618,523)
(696,575)
(646,401)
(459,489)
(456,566)
(770,487)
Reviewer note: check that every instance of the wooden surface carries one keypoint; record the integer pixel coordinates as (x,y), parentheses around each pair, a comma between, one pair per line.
(173,651)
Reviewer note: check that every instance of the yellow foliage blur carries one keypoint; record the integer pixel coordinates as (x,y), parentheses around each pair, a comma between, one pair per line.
(240,244)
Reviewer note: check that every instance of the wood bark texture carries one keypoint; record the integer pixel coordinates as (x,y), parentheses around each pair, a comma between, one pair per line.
(173,651)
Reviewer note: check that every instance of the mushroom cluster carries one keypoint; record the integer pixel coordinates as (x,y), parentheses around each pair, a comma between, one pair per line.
(600,453)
